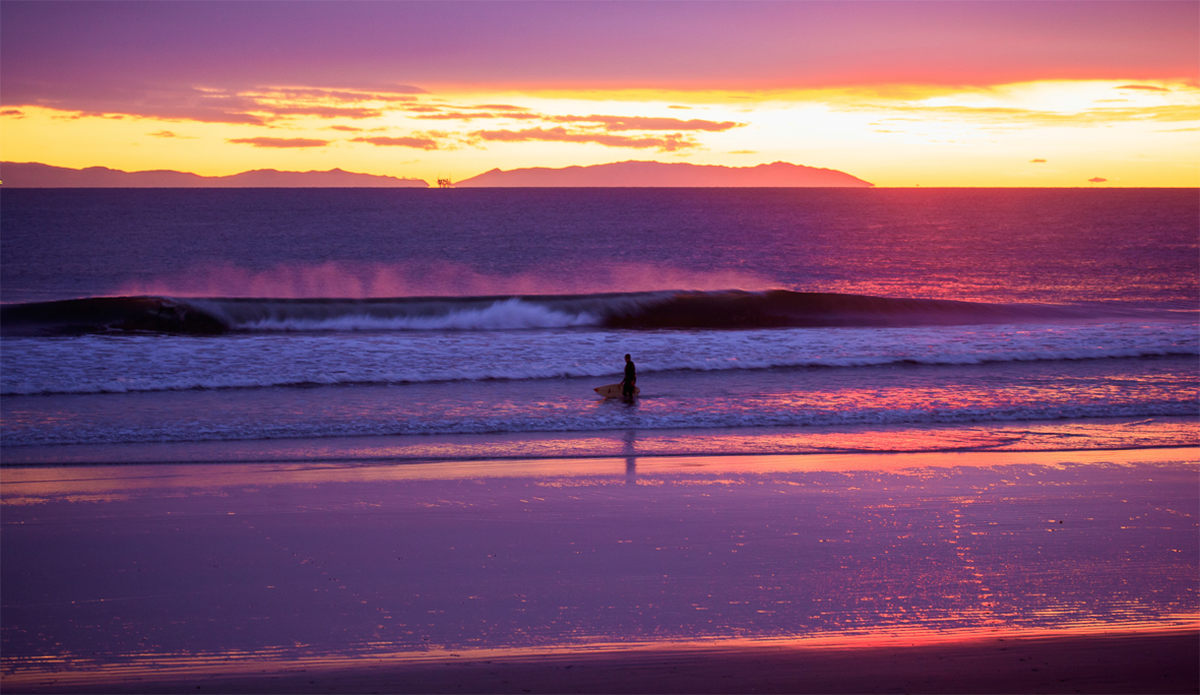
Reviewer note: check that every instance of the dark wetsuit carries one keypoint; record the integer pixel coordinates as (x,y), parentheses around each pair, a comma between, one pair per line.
(630,382)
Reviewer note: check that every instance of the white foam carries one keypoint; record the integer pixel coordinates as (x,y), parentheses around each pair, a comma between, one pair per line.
(508,314)
(270,358)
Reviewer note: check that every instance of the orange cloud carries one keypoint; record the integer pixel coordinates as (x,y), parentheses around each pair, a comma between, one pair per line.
(463,116)
(1033,117)
(608,123)
(421,143)
(498,107)
(322,111)
(279,142)
(667,143)
(281,103)
(618,123)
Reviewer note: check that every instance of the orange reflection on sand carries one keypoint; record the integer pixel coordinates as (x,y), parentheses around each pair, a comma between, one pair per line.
(983,397)
(1056,435)
(24,486)
(78,670)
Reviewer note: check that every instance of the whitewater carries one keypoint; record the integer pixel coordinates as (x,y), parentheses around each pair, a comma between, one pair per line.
(127,363)
(270,385)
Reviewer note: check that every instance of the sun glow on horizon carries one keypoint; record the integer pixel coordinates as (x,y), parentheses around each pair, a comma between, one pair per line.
(1044,133)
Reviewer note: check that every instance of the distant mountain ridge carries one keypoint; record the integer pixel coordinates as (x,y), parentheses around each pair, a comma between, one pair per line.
(668,175)
(35,175)
(631,174)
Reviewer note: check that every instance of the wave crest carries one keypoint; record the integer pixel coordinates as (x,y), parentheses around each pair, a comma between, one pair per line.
(726,309)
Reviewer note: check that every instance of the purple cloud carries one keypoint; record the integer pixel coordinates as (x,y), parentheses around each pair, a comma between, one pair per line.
(253,107)
(390,95)
(169,103)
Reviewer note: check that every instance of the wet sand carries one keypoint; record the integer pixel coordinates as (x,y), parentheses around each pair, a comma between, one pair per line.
(1079,435)
(1149,661)
(939,572)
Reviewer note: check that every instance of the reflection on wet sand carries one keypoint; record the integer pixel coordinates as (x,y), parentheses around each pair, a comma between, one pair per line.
(1051,436)
(162,564)
(630,440)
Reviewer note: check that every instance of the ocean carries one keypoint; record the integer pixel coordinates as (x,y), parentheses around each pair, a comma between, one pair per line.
(798,319)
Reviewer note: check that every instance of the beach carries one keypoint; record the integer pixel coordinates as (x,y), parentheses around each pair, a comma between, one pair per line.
(1018,571)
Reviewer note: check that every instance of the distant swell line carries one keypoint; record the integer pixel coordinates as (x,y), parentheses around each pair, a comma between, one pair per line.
(727,309)
(238,383)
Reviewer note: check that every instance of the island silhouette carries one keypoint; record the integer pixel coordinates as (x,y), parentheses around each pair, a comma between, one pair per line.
(35,175)
(631,174)
(668,175)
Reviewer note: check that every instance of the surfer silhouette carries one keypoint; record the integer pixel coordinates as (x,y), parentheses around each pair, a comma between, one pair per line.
(630,382)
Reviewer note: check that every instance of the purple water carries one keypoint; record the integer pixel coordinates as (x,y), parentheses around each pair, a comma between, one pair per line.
(1054,304)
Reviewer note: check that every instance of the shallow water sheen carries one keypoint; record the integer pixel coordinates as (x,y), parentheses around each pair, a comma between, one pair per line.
(102,564)
(888,395)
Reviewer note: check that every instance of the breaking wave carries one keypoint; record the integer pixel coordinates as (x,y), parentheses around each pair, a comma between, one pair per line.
(728,309)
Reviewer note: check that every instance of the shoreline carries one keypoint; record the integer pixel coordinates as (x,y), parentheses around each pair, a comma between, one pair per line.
(25,485)
(1117,660)
(1071,435)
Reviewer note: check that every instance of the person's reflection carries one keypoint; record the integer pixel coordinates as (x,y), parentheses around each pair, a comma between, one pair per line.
(630,451)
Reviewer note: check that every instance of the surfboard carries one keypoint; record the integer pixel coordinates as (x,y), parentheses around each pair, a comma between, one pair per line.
(613,390)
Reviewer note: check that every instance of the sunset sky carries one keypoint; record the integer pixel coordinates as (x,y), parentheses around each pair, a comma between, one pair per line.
(950,93)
